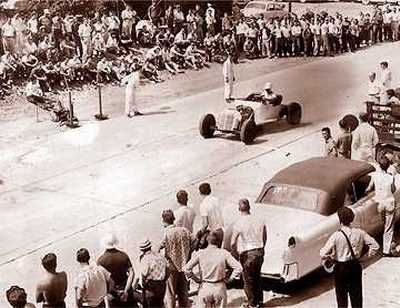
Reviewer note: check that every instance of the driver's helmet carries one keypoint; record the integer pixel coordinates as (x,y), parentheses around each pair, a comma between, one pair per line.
(268,86)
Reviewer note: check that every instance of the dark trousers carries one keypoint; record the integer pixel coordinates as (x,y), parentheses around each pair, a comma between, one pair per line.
(252,261)
(153,294)
(177,288)
(348,282)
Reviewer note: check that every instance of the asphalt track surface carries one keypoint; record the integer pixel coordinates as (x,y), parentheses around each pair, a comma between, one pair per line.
(65,191)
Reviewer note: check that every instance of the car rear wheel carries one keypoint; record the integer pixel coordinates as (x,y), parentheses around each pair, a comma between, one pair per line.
(248,131)
(207,126)
(294,113)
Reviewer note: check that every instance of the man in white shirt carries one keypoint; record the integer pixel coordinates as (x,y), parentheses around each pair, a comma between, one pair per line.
(249,237)
(9,34)
(92,283)
(384,184)
(131,81)
(184,215)
(211,212)
(374,88)
(365,138)
(85,34)
(229,78)
(386,75)
(345,247)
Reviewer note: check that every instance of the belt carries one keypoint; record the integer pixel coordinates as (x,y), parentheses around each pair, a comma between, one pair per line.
(58,305)
(218,281)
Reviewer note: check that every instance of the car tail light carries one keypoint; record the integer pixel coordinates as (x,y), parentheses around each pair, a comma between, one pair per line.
(292,242)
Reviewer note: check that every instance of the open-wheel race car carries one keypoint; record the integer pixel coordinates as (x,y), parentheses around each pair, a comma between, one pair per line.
(245,116)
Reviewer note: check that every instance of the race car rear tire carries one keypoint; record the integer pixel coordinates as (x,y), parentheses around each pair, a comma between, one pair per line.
(248,131)
(294,113)
(207,126)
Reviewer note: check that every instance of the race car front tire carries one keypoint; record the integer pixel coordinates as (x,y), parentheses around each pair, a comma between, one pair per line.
(248,131)
(207,125)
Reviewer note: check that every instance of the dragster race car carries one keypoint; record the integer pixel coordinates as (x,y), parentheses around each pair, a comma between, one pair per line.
(243,117)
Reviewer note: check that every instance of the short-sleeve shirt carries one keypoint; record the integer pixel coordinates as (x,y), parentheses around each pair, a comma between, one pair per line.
(250,230)
(91,284)
(153,266)
(118,264)
(211,209)
(184,217)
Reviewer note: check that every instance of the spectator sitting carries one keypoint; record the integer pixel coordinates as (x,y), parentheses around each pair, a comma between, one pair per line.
(392,98)
(112,45)
(149,71)
(103,70)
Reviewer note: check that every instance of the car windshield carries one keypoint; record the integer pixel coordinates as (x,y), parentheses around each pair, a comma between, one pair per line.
(255,5)
(291,196)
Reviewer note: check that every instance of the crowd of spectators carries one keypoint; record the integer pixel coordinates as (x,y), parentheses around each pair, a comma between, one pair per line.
(162,274)
(62,51)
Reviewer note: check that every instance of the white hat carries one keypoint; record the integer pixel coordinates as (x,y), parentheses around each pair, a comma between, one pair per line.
(209,4)
(371,74)
(145,244)
(268,86)
(46,11)
(110,241)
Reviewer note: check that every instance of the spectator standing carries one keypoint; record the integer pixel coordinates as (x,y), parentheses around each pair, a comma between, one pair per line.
(131,81)
(17,298)
(213,263)
(317,35)
(153,274)
(365,138)
(374,88)
(92,283)
(9,35)
(211,213)
(177,246)
(229,78)
(345,247)
(57,30)
(45,21)
(52,290)
(249,237)
(326,47)
(210,19)
(20,29)
(330,143)
(185,214)
(384,184)
(128,17)
(266,37)
(85,34)
(118,264)
(113,23)
(33,27)
(343,144)
(385,80)
(226,23)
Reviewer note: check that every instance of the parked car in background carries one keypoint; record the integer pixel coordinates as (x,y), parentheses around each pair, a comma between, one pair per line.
(268,9)
(299,206)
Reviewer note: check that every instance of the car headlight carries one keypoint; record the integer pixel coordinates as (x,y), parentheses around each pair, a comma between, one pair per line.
(292,242)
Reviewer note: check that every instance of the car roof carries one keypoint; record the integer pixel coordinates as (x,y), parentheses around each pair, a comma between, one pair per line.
(322,173)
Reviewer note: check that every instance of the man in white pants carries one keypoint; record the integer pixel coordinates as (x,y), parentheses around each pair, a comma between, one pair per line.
(229,78)
(365,138)
(384,189)
(131,81)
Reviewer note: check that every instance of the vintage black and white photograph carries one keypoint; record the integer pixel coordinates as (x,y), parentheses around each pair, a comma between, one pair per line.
(199,153)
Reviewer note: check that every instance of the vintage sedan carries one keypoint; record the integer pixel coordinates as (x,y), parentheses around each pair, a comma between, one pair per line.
(299,206)
(267,9)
